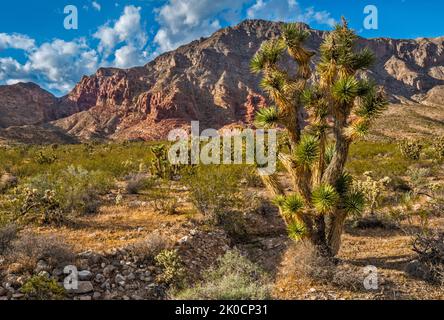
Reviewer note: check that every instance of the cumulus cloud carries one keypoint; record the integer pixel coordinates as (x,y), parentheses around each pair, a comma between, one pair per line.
(16,41)
(57,65)
(288,10)
(127,29)
(182,21)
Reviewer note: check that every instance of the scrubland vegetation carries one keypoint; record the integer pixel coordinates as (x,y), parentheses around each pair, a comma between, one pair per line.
(137,227)
(44,205)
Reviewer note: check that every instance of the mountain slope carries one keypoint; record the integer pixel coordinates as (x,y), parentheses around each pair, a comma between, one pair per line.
(210,80)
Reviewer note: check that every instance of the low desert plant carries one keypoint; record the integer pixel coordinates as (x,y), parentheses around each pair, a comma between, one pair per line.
(164,203)
(150,247)
(8,234)
(43,288)
(438,148)
(430,251)
(214,190)
(137,182)
(173,271)
(234,277)
(372,189)
(411,149)
(26,251)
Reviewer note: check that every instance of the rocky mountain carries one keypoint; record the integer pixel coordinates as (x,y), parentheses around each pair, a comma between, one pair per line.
(207,80)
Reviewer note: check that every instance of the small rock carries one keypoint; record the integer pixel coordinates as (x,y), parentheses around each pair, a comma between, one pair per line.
(3,291)
(83,287)
(18,295)
(96,295)
(184,240)
(85,275)
(85,298)
(417,270)
(108,270)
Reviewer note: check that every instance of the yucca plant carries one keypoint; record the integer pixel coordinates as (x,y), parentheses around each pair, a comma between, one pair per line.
(341,108)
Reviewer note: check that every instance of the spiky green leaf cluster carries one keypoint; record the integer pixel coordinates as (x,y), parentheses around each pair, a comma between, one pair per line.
(294,35)
(268,55)
(307,151)
(345,89)
(354,202)
(324,198)
(292,204)
(296,231)
(267,117)
(344,183)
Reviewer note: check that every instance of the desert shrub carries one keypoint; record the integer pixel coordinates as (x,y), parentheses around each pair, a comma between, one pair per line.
(234,277)
(45,158)
(27,250)
(160,165)
(7,181)
(430,251)
(8,233)
(137,182)
(438,148)
(149,248)
(75,189)
(214,190)
(164,203)
(372,189)
(173,271)
(252,178)
(418,177)
(40,207)
(42,288)
(411,149)
(308,264)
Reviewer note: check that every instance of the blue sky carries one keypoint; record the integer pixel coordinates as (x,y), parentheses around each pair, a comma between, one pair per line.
(35,46)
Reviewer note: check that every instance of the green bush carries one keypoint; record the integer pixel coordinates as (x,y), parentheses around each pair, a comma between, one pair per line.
(43,288)
(74,190)
(233,278)
(411,149)
(215,190)
(173,271)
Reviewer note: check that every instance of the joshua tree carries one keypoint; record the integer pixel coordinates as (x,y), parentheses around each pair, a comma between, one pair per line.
(340,106)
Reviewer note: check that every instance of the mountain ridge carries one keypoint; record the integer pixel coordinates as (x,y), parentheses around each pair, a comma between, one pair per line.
(209,80)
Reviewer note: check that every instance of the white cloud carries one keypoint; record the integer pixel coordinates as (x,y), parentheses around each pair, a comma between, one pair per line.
(127,29)
(57,65)
(16,41)
(287,10)
(129,56)
(182,21)
(96,5)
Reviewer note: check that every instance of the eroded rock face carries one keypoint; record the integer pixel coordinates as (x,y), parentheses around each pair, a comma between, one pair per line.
(210,80)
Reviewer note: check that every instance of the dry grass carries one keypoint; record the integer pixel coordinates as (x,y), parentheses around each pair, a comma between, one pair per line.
(113,227)
(388,250)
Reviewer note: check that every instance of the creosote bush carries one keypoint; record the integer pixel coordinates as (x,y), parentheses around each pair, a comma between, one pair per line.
(214,190)
(234,277)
